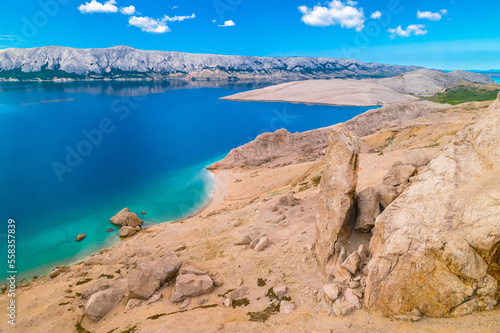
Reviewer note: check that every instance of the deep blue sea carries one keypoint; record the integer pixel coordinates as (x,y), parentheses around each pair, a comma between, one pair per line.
(74,154)
(495,78)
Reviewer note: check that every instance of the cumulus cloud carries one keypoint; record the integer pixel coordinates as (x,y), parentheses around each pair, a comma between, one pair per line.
(376,15)
(229,23)
(432,16)
(130,10)
(178,18)
(414,29)
(347,15)
(156,26)
(98,7)
(148,24)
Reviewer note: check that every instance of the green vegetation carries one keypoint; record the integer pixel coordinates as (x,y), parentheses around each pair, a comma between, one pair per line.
(50,74)
(273,308)
(225,294)
(240,302)
(261,282)
(316,180)
(108,276)
(79,328)
(83,282)
(262,316)
(467,93)
(131,330)
(156,316)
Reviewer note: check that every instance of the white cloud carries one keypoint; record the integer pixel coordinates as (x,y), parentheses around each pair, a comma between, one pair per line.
(178,18)
(346,15)
(229,23)
(414,29)
(376,15)
(213,21)
(148,24)
(130,10)
(174,7)
(7,37)
(432,16)
(156,26)
(97,7)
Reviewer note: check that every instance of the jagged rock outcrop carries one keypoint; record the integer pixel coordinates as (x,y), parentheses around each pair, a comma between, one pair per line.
(436,248)
(278,147)
(337,196)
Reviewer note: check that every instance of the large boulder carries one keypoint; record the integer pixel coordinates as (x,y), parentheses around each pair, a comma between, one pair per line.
(99,285)
(190,285)
(367,203)
(144,281)
(100,303)
(337,194)
(436,248)
(126,218)
(127,231)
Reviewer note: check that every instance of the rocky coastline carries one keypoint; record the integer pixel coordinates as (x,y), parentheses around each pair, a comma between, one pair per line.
(387,222)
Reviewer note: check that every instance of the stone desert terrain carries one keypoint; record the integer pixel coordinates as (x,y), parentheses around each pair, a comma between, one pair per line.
(386,223)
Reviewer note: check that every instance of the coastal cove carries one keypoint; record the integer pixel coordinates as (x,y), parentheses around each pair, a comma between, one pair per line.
(76,153)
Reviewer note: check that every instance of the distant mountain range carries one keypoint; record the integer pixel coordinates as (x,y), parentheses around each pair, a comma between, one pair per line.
(123,62)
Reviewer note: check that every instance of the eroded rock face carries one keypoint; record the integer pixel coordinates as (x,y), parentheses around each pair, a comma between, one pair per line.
(337,195)
(435,248)
(126,218)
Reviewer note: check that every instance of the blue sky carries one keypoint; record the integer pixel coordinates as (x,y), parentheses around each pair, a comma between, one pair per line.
(444,34)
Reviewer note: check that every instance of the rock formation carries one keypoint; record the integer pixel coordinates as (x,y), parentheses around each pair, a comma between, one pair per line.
(190,285)
(338,185)
(126,218)
(436,247)
(150,276)
(100,303)
(273,148)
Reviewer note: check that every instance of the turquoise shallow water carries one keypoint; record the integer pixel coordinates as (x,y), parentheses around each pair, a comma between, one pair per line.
(74,154)
(495,78)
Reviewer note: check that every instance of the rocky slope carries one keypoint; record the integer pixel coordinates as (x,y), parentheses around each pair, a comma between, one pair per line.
(124,61)
(366,92)
(436,248)
(435,245)
(428,82)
